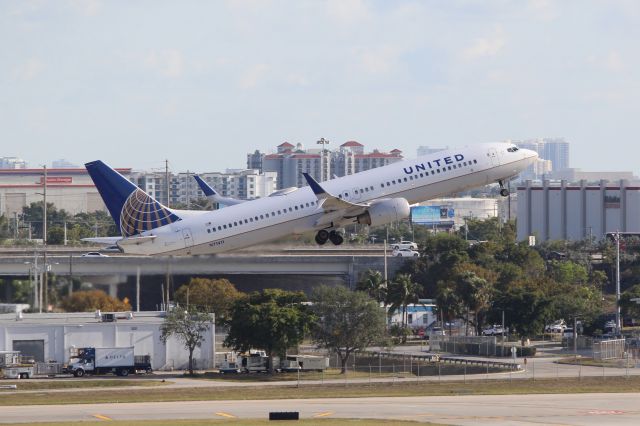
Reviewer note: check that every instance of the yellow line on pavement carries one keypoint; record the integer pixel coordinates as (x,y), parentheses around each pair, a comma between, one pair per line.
(101,417)
(325,414)
(221,414)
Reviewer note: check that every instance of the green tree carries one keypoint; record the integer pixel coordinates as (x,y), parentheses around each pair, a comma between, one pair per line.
(525,310)
(475,293)
(274,320)
(189,327)
(629,307)
(92,300)
(373,284)
(346,321)
(402,292)
(207,295)
(448,302)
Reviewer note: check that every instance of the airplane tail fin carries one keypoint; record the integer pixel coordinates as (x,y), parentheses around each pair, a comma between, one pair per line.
(133,210)
(204,186)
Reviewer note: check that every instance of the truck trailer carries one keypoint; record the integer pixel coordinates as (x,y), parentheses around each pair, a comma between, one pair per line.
(119,361)
(13,365)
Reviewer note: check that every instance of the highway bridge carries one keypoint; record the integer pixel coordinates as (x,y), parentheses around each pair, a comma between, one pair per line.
(290,268)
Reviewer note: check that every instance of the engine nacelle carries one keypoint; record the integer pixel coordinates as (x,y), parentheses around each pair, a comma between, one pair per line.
(385,211)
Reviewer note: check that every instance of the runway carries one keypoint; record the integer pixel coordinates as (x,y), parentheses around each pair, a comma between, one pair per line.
(571,409)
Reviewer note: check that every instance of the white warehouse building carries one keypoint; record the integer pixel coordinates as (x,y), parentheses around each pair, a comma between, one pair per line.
(53,337)
(559,211)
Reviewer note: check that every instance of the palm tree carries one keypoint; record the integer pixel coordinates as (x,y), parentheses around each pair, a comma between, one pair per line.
(374,285)
(475,294)
(402,292)
(448,303)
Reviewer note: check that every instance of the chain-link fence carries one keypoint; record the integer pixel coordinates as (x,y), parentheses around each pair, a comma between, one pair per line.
(467,345)
(609,349)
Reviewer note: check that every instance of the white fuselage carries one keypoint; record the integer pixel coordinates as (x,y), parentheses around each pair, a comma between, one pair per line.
(297,212)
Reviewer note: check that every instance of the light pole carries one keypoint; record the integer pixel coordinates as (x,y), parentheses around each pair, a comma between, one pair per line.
(616,238)
(323,142)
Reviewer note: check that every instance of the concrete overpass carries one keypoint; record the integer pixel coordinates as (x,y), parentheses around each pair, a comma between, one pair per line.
(294,271)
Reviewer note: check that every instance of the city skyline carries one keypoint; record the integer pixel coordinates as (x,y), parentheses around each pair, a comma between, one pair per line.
(204,83)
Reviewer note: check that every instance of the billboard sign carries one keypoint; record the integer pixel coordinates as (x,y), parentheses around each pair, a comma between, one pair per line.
(432,215)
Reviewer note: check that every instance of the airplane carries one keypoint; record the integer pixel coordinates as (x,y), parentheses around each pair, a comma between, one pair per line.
(213,196)
(373,197)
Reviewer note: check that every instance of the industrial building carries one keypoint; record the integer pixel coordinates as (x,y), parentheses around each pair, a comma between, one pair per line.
(560,211)
(68,189)
(54,336)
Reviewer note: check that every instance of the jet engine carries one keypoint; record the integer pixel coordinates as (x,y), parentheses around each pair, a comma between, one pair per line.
(385,211)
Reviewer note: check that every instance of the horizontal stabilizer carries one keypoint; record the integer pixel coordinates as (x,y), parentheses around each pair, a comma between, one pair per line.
(107,241)
(136,240)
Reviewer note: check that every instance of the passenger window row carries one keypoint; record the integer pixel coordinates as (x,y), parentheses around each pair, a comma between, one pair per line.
(257,218)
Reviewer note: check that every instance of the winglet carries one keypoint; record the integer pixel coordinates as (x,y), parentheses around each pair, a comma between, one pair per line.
(315,186)
(208,190)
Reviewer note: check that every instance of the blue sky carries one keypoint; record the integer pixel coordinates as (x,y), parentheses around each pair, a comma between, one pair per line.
(202,83)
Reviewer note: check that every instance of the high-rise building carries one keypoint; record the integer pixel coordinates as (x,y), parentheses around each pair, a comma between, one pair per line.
(241,184)
(12,163)
(291,161)
(426,150)
(64,164)
(554,150)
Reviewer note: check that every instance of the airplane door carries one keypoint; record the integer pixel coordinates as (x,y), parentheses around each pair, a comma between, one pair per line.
(188,238)
(493,156)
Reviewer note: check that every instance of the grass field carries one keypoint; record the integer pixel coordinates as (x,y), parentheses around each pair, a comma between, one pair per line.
(333,390)
(75,384)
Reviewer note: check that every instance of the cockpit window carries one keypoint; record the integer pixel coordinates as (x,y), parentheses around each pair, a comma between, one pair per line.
(513,149)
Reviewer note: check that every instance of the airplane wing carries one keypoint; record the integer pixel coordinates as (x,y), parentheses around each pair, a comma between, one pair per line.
(335,207)
(212,195)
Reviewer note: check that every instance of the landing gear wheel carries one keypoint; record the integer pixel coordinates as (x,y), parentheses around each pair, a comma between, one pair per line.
(322,236)
(336,238)
(503,191)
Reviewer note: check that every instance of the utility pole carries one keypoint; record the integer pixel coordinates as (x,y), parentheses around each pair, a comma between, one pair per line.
(166,179)
(45,281)
(188,192)
(616,236)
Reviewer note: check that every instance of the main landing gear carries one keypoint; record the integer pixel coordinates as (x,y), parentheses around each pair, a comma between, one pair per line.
(503,191)
(334,236)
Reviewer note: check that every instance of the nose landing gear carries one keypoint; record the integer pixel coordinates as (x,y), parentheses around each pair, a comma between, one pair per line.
(503,191)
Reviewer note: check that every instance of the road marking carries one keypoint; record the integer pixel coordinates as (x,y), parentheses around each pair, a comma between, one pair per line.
(221,414)
(325,414)
(605,412)
(101,417)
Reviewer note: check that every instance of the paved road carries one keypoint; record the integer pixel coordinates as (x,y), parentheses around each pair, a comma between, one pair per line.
(573,409)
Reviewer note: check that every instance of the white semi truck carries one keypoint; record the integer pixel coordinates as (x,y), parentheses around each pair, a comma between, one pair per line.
(119,361)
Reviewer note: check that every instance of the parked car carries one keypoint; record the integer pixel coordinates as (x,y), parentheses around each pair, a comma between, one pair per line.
(110,249)
(405,253)
(494,330)
(405,245)
(437,331)
(94,254)
(556,327)
(568,333)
